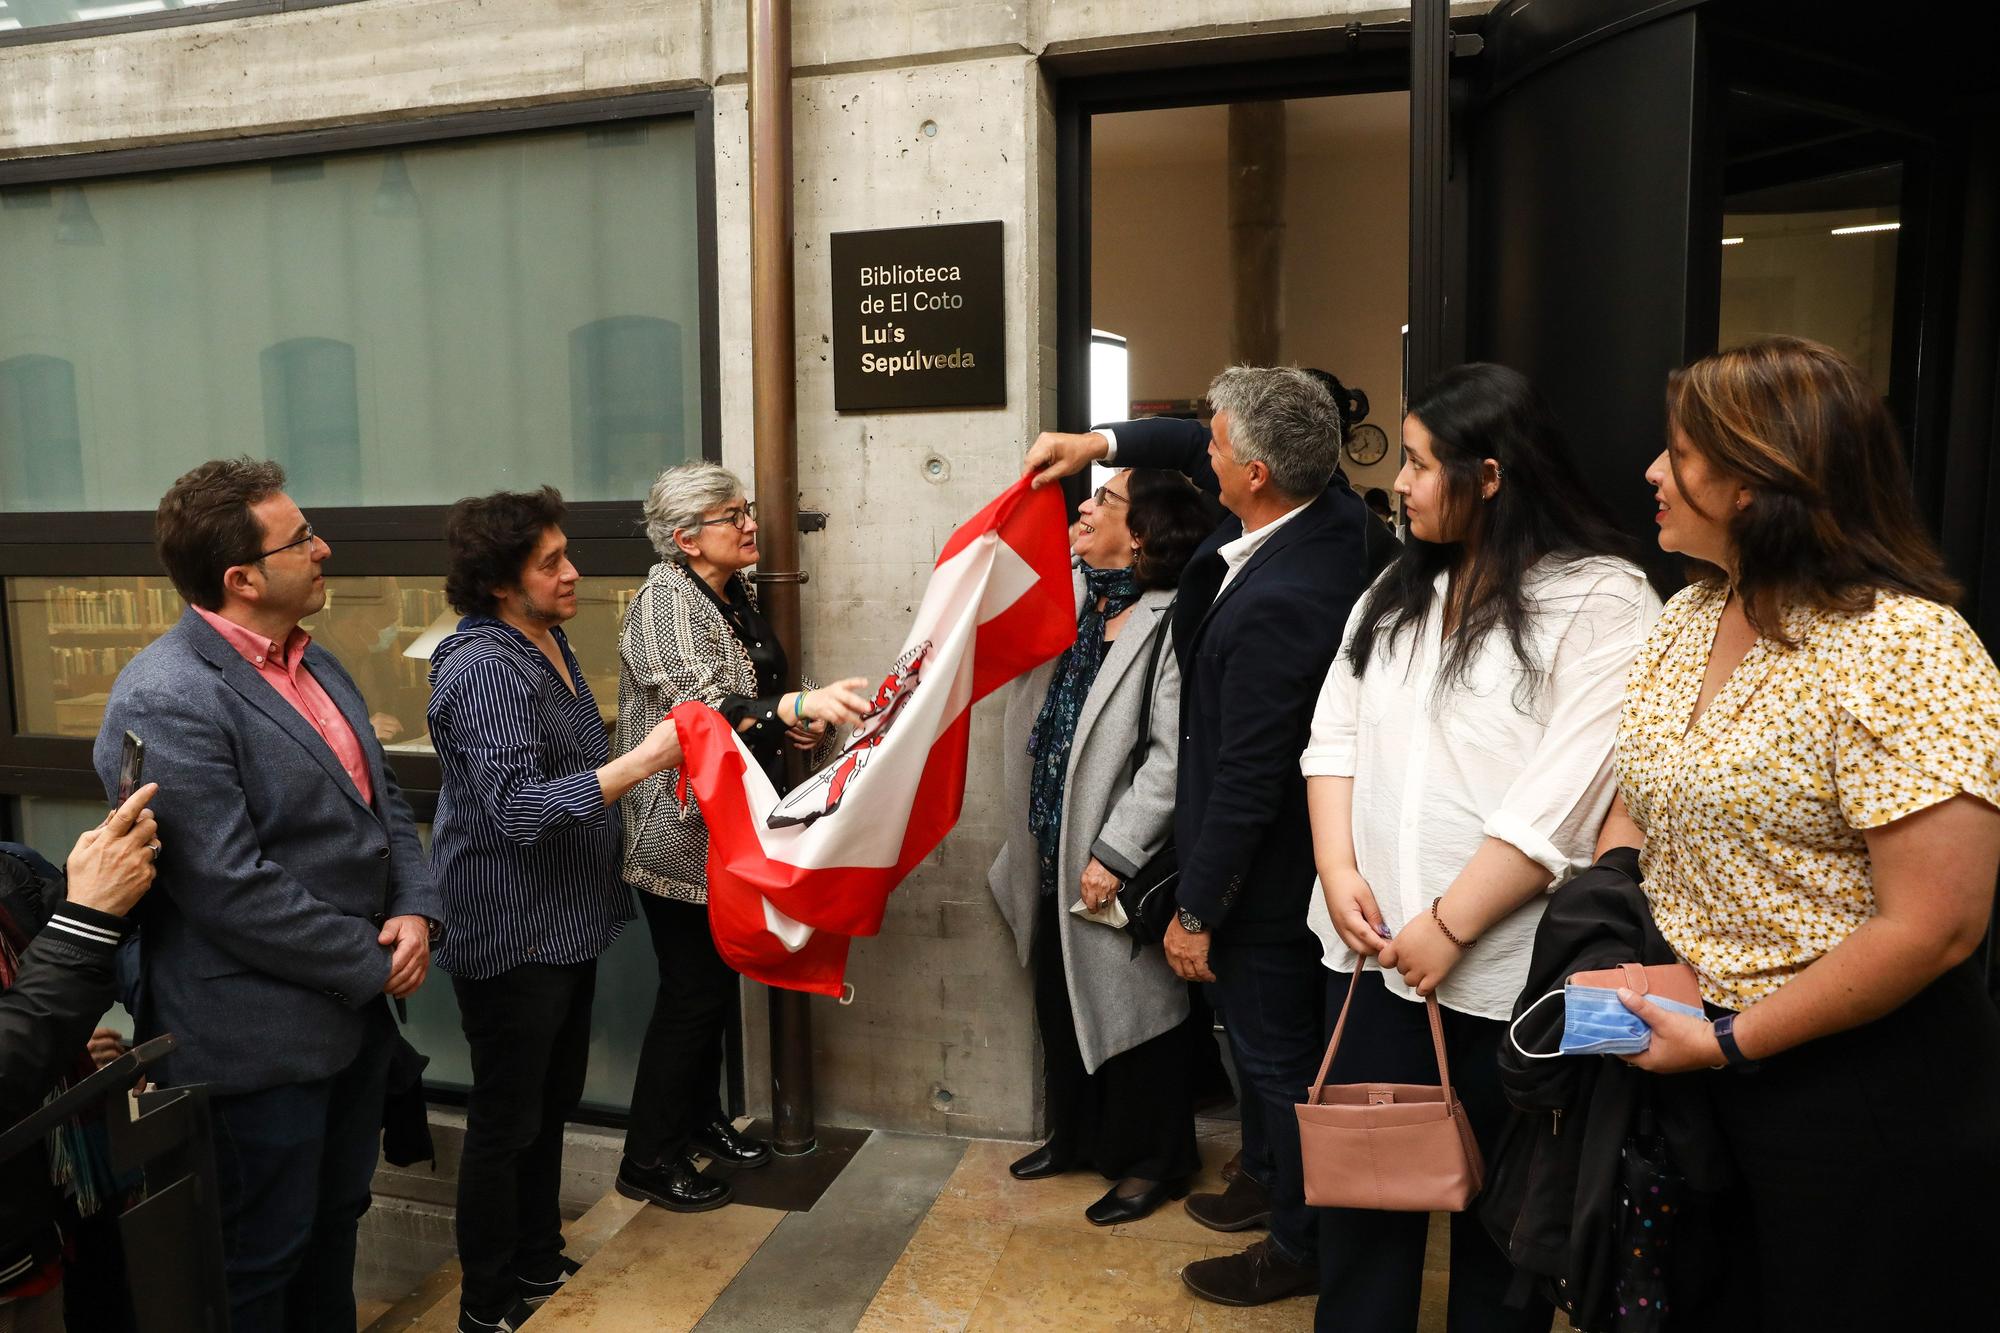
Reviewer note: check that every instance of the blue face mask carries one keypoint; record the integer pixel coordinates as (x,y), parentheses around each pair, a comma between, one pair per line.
(1595,1023)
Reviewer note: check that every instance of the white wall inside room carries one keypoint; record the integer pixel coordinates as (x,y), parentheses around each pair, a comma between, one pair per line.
(1160,246)
(1791,274)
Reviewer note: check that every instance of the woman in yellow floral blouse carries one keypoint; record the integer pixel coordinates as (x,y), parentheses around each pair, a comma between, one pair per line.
(1810,756)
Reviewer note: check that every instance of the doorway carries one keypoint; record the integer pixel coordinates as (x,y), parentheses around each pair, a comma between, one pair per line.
(1309,266)
(1170,268)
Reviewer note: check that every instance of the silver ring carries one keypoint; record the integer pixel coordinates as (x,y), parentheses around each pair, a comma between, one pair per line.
(154,848)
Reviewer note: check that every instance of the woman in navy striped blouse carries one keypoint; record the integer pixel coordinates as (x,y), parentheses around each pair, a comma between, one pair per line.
(525,849)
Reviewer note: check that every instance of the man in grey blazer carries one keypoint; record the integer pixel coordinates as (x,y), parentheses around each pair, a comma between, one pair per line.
(293,895)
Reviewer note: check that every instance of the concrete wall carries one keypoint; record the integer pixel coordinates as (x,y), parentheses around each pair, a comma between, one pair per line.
(940,1036)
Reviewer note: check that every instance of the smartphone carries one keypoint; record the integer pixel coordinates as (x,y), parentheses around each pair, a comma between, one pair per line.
(131,766)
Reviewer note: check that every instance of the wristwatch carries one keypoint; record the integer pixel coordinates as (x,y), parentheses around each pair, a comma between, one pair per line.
(1724,1029)
(1191,923)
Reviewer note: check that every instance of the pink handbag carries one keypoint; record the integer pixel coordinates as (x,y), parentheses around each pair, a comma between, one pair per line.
(1396,1147)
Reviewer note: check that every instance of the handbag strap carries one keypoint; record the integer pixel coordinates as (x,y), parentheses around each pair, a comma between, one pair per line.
(1340,1024)
(1162,630)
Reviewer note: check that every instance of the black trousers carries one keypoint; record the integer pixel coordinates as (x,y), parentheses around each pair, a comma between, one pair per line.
(1371,1264)
(1870,1166)
(1135,1115)
(1271,994)
(293,1165)
(678,1088)
(529,1033)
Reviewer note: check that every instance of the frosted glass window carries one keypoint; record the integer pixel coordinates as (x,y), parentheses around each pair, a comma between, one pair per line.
(43,13)
(400,327)
(41,453)
(312,418)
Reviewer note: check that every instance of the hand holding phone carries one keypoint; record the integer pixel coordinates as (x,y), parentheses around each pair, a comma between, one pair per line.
(131,765)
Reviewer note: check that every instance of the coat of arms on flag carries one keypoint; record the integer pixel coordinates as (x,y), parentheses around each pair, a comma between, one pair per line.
(791,881)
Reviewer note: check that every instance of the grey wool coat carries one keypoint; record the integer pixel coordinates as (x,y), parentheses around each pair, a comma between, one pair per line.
(1121,815)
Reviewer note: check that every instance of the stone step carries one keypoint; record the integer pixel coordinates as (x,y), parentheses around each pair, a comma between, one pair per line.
(658,1270)
(433,1306)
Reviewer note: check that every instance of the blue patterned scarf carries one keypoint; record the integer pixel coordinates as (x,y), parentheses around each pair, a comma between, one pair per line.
(1055,725)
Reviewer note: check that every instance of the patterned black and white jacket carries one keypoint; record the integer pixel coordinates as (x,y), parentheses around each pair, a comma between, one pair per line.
(679,645)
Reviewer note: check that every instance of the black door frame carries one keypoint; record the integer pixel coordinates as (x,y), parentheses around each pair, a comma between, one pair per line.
(1357,59)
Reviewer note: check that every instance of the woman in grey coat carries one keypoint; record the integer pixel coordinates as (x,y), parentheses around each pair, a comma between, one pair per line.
(1081,817)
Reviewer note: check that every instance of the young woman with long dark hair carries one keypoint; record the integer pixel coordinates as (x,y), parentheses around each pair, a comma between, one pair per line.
(1459,768)
(1809,759)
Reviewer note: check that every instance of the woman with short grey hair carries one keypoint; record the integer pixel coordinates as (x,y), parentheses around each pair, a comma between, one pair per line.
(694,633)
(680,498)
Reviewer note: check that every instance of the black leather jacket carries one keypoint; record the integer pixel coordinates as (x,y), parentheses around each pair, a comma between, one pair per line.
(67,979)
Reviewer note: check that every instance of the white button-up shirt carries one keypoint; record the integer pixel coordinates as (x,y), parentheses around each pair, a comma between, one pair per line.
(1237,553)
(1503,753)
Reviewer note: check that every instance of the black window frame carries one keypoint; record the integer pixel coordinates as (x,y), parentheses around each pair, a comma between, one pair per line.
(606,537)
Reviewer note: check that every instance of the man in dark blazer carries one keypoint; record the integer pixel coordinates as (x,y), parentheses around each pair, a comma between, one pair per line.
(293,895)
(1256,627)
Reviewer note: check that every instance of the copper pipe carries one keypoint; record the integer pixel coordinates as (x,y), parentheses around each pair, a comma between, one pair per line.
(775,416)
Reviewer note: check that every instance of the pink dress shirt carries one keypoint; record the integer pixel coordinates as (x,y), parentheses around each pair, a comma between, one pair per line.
(284,669)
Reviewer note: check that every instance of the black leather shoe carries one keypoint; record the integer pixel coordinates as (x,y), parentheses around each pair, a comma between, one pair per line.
(1114,1208)
(721,1144)
(1038,1165)
(1243,1205)
(1257,1276)
(675,1185)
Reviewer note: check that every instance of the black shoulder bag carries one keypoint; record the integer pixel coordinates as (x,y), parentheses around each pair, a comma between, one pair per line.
(1148,897)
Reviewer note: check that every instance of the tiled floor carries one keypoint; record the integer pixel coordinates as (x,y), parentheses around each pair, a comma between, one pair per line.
(918,1235)
(996,1253)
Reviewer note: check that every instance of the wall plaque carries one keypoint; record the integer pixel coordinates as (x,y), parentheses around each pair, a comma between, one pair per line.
(919,318)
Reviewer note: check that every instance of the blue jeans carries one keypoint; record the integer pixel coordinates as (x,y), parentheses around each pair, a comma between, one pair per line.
(1271,997)
(293,1166)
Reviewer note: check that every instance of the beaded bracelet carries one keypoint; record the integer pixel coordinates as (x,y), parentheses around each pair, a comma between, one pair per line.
(1447,929)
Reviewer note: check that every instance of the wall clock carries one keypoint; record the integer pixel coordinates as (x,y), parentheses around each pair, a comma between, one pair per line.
(1367,444)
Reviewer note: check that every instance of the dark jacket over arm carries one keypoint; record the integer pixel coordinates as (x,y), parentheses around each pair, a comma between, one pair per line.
(1173,443)
(1552,1185)
(66,983)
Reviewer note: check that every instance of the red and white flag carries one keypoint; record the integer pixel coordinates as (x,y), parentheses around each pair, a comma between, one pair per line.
(791,882)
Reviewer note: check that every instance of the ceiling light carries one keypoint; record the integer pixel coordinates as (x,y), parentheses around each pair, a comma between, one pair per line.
(1865,227)
(1732,240)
